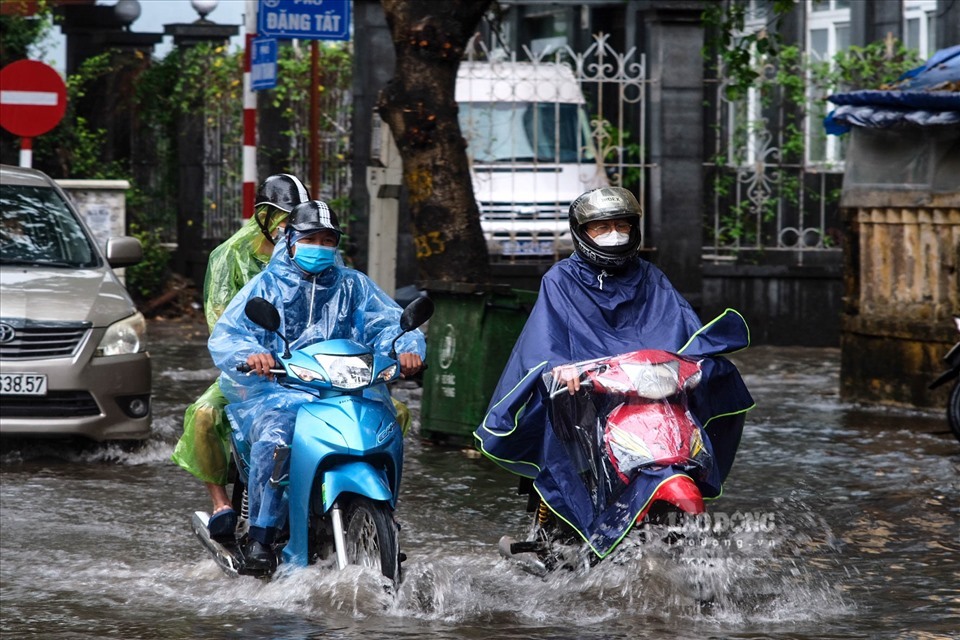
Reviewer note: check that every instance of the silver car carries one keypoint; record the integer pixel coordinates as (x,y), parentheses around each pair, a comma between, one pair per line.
(73,358)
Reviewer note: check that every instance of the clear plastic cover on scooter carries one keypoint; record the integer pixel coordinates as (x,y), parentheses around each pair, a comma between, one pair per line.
(629,415)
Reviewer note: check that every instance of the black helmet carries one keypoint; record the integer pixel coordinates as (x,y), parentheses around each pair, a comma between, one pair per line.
(310,217)
(605,203)
(281,191)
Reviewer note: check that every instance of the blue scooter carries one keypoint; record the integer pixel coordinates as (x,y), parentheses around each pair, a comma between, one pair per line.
(345,459)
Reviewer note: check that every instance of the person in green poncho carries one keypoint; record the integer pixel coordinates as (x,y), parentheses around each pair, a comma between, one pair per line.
(204,448)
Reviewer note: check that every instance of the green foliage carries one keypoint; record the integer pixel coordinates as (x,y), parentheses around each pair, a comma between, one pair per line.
(148,278)
(736,48)
(76,146)
(875,66)
(292,96)
(18,34)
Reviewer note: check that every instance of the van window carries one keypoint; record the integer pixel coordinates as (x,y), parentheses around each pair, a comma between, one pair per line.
(525,132)
(38,228)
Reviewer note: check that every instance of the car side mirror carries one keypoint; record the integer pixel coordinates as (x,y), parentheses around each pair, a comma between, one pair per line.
(123,251)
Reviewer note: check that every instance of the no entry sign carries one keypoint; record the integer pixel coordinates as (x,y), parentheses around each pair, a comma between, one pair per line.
(33,98)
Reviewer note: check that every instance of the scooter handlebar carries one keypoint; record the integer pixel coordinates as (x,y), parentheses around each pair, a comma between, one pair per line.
(243,367)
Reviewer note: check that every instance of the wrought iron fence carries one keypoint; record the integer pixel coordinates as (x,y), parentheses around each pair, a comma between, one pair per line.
(762,196)
(223,152)
(542,128)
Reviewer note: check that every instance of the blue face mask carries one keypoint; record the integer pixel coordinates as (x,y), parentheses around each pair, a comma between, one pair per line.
(314,258)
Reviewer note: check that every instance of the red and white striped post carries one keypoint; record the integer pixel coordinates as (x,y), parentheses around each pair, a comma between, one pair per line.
(249,114)
(26,153)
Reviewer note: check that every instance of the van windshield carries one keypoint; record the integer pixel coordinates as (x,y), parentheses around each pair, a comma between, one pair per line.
(526,132)
(37,228)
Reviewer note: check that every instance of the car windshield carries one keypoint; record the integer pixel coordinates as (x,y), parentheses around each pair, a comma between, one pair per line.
(526,132)
(38,228)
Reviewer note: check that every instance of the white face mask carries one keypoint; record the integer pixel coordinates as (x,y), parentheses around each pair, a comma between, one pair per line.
(612,239)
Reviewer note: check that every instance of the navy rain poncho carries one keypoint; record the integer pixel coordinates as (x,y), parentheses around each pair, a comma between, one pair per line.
(584,313)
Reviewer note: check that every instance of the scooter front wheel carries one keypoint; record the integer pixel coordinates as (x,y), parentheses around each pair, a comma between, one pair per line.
(371,537)
(953,409)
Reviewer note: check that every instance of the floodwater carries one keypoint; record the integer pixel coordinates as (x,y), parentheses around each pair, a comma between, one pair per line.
(836,522)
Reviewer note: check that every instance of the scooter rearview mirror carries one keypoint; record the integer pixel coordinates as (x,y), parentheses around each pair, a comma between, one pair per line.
(416,313)
(263,314)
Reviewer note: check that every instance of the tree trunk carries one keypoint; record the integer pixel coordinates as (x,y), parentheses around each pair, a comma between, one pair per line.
(420,108)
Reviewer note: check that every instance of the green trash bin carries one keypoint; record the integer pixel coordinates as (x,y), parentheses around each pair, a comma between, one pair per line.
(470,337)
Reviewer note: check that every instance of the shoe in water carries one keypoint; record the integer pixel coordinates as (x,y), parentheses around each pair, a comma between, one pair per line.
(258,559)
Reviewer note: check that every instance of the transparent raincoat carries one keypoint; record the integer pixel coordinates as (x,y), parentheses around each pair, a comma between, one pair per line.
(338,303)
(204,449)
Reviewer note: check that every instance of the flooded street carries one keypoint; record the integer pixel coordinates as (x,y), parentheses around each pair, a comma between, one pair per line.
(836,522)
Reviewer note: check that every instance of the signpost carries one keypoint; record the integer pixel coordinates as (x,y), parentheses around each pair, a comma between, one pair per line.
(263,64)
(305,19)
(33,99)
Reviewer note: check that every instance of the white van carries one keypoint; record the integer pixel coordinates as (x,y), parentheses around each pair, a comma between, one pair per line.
(531,153)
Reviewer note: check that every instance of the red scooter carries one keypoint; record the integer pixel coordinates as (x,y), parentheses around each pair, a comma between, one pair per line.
(628,422)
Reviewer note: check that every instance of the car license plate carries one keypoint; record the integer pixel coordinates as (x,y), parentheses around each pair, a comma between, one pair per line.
(527,248)
(23,384)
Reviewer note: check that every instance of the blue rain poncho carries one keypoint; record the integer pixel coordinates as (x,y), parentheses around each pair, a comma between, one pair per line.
(584,313)
(338,303)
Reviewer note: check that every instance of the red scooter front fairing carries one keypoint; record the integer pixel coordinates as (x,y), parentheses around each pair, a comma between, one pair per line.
(628,433)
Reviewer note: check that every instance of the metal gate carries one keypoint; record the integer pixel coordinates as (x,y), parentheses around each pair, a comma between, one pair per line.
(541,129)
(763,196)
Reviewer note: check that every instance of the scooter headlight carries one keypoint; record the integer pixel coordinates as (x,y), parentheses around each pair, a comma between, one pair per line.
(388,373)
(307,375)
(347,372)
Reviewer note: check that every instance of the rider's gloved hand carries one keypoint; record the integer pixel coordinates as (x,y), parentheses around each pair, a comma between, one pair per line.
(410,364)
(261,363)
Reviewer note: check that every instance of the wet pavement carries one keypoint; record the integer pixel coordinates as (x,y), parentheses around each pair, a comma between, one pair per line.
(837,522)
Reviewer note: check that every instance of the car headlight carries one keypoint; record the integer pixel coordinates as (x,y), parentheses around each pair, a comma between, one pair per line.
(126,336)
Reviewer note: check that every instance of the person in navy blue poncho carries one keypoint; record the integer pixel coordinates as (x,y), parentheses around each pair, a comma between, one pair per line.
(601,301)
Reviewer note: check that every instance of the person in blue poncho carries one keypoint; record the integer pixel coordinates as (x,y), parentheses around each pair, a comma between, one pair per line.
(318,300)
(601,301)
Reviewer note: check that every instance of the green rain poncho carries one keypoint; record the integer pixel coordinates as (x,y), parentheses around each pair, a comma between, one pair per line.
(203,449)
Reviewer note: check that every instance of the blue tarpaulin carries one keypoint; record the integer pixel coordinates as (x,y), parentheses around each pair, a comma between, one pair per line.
(926,96)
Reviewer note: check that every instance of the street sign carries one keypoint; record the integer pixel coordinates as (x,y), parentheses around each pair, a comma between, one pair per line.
(33,98)
(304,19)
(263,64)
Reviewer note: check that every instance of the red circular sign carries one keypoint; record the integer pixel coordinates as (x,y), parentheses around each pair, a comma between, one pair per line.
(33,98)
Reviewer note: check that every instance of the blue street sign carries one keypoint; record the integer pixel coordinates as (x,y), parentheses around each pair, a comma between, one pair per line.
(304,19)
(263,63)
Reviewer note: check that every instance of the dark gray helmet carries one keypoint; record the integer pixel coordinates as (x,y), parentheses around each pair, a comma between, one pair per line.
(309,218)
(281,191)
(605,203)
